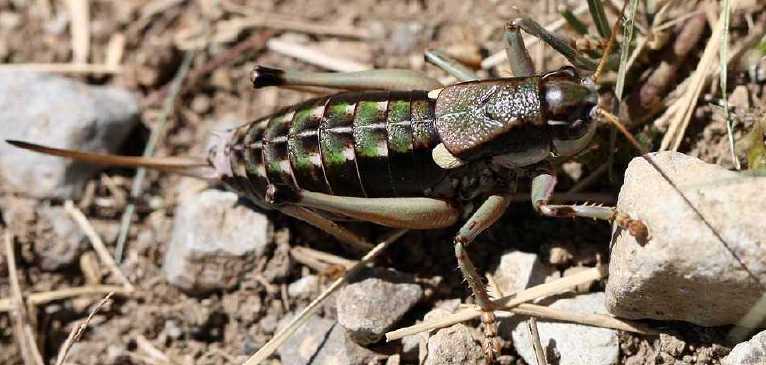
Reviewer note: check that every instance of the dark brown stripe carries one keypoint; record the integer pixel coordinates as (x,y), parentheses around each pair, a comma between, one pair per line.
(424,138)
(304,151)
(256,171)
(400,144)
(336,140)
(371,144)
(275,154)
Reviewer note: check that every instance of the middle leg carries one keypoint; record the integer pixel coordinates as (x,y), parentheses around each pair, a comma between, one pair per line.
(542,190)
(487,214)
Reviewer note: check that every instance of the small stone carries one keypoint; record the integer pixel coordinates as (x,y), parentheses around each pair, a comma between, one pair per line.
(683,271)
(570,343)
(215,241)
(59,240)
(458,344)
(304,287)
(323,341)
(58,112)
(368,308)
(519,270)
(751,352)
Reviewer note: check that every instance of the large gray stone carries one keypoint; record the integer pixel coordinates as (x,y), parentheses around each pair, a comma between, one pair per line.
(573,344)
(368,308)
(63,113)
(215,241)
(751,352)
(684,272)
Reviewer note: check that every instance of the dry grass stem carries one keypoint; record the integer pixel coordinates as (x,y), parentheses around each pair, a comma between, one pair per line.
(500,57)
(98,245)
(753,319)
(22,330)
(284,23)
(588,319)
(505,303)
(63,68)
(115,50)
(40,298)
(158,357)
(78,331)
(534,337)
(137,188)
(318,260)
(79,11)
(264,352)
(688,101)
(315,57)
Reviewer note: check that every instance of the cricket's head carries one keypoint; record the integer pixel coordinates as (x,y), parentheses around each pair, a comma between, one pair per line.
(569,104)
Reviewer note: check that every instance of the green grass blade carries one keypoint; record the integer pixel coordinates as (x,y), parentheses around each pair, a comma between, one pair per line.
(599,18)
(723,59)
(576,24)
(625,48)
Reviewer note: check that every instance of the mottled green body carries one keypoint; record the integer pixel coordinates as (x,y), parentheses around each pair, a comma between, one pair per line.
(363,144)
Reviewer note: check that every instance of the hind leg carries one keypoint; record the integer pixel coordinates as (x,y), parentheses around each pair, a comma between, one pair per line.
(383,79)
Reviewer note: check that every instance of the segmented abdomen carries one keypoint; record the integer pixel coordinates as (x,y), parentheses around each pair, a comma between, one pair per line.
(368,144)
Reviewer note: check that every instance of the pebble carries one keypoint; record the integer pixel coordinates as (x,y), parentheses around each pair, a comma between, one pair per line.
(304,287)
(215,241)
(751,352)
(58,112)
(368,308)
(323,341)
(60,241)
(519,270)
(683,271)
(458,344)
(568,343)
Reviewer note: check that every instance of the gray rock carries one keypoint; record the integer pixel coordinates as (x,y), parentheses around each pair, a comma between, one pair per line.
(214,242)
(519,270)
(304,287)
(63,113)
(570,343)
(60,241)
(370,307)
(323,341)
(458,344)
(684,272)
(751,352)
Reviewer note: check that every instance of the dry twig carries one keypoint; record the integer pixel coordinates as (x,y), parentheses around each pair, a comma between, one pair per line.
(534,337)
(315,57)
(22,330)
(79,12)
(78,330)
(36,299)
(64,68)
(507,302)
(154,138)
(98,245)
(588,319)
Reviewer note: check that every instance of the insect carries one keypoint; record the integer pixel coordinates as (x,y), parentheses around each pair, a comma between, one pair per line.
(409,153)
